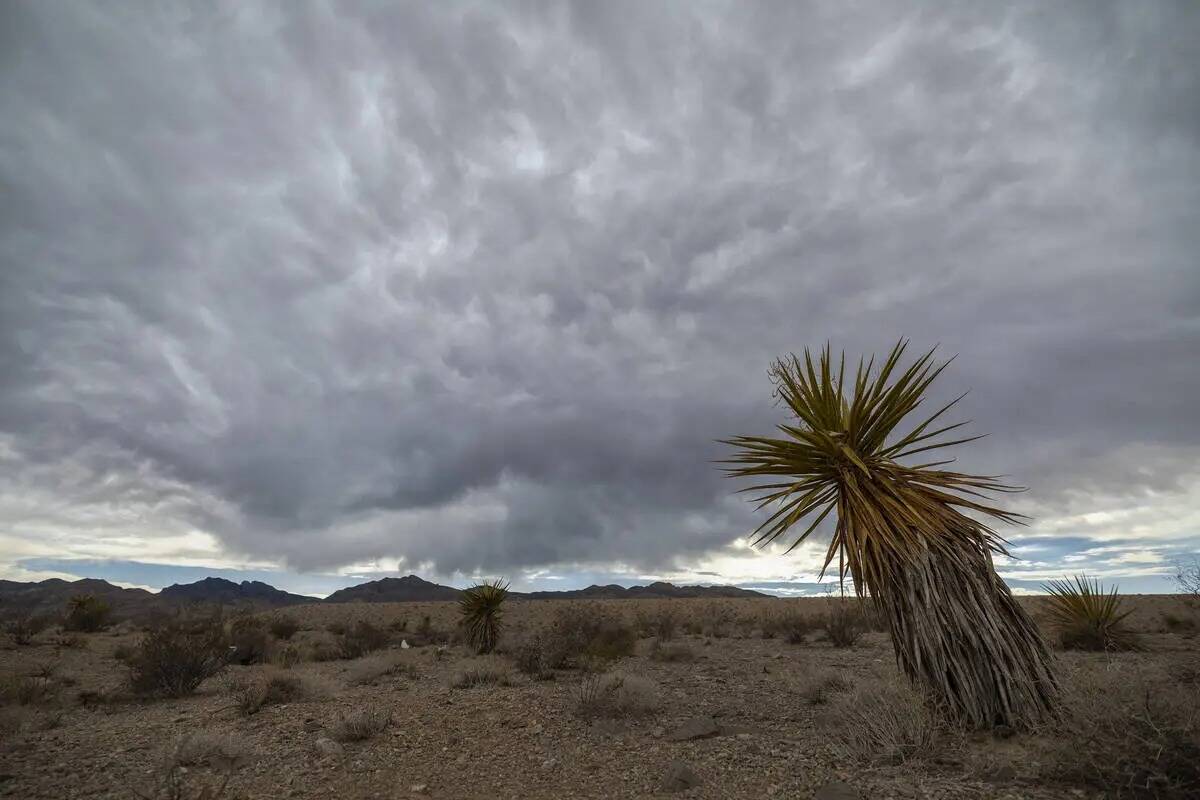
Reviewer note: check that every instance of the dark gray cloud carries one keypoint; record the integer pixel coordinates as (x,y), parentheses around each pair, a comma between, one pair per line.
(478,285)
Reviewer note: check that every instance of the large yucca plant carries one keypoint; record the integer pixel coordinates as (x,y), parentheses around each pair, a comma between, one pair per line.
(1088,618)
(901,530)
(481,610)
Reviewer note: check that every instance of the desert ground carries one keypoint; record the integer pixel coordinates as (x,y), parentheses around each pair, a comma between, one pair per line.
(717,699)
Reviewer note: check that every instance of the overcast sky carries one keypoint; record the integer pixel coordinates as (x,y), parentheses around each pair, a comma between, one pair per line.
(321,290)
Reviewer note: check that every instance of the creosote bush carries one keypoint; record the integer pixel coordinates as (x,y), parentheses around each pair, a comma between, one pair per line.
(587,638)
(1087,618)
(662,622)
(529,656)
(176,658)
(843,622)
(248,638)
(362,639)
(86,613)
(22,629)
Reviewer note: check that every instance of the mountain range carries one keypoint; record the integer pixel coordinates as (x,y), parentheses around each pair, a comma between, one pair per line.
(49,596)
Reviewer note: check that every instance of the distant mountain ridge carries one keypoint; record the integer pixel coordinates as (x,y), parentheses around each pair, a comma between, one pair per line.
(50,596)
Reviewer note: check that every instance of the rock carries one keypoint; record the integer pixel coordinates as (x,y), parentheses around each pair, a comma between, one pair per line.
(329,748)
(679,777)
(549,763)
(419,788)
(697,728)
(404,644)
(836,790)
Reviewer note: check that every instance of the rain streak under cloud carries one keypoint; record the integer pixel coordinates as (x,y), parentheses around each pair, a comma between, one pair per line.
(454,288)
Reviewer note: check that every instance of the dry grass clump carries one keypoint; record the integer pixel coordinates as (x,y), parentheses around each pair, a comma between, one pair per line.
(887,723)
(1129,730)
(822,687)
(210,749)
(362,724)
(284,627)
(1087,618)
(487,671)
(673,653)
(252,691)
(176,658)
(371,669)
(616,695)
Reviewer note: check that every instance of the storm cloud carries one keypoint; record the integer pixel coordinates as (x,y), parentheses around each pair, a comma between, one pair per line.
(476,287)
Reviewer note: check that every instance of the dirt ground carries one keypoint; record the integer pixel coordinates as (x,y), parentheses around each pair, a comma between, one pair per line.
(739,720)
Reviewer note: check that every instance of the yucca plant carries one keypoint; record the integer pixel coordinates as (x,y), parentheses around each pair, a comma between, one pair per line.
(902,532)
(481,610)
(1088,618)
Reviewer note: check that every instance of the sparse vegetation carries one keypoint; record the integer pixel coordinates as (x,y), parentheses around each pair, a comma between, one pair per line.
(481,615)
(888,723)
(176,658)
(248,638)
(843,622)
(284,627)
(901,531)
(661,622)
(819,689)
(613,694)
(362,724)
(361,639)
(371,669)
(671,653)
(251,691)
(1087,618)
(26,690)
(581,639)
(87,613)
(1187,577)
(481,672)
(22,629)
(529,655)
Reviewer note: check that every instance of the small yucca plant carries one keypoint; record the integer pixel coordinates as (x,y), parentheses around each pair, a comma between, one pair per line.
(481,610)
(1088,618)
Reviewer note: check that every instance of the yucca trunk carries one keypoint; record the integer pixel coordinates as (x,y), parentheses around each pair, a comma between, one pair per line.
(961,636)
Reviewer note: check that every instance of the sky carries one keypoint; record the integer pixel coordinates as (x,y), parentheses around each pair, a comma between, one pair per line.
(315,292)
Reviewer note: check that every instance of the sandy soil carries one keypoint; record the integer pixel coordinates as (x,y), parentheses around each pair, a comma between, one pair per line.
(750,697)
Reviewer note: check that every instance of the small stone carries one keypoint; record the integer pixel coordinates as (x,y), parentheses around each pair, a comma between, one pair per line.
(679,777)
(549,763)
(837,791)
(697,728)
(419,788)
(404,644)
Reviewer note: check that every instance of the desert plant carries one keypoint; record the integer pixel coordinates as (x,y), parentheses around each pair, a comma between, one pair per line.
(22,629)
(614,694)
(1187,577)
(369,670)
(26,690)
(362,724)
(86,613)
(252,691)
(176,658)
(843,623)
(481,612)
(486,671)
(887,723)
(901,533)
(1087,618)
(361,639)
(284,627)
(248,641)
(820,688)
(529,655)
(661,623)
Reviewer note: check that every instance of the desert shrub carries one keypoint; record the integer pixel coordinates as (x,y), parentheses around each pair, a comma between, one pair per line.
(86,613)
(1128,731)
(481,672)
(718,621)
(675,652)
(843,622)
(69,641)
(793,626)
(284,627)
(362,724)
(248,641)
(661,623)
(587,638)
(22,629)
(399,625)
(361,639)
(1087,618)
(481,611)
(210,749)
(614,694)
(286,657)
(26,690)
(819,689)
(176,658)
(529,655)
(250,692)
(372,668)
(887,723)
(337,628)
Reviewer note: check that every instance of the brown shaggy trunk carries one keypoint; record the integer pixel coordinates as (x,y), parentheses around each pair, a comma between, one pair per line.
(960,635)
